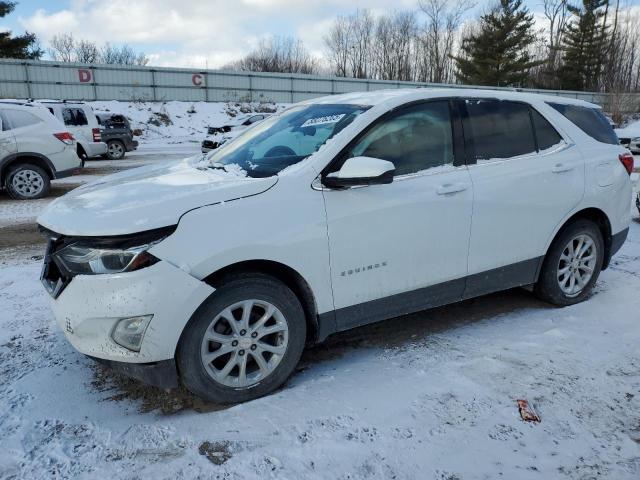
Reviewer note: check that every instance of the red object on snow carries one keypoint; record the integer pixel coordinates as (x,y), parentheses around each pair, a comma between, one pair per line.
(527,412)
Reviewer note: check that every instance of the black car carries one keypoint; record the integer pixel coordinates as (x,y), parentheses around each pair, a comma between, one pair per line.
(116,132)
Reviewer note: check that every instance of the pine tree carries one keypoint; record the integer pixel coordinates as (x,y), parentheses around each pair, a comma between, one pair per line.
(22,46)
(584,46)
(498,54)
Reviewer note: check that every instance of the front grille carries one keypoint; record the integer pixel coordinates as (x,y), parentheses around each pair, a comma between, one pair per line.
(53,276)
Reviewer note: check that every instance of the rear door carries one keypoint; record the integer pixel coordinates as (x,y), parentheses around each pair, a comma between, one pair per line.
(526,179)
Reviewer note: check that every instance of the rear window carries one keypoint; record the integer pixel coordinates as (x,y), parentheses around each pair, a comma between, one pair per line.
(590,120)
(74,117)
(18,119)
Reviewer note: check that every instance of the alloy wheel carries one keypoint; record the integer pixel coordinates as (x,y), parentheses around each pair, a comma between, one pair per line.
(577,264)
(115,150)
(27,183)
(244,343)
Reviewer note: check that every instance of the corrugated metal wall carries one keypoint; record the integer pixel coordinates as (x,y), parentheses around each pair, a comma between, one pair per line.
(72,81)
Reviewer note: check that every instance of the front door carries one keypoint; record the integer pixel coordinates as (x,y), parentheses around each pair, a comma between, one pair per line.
(403,246)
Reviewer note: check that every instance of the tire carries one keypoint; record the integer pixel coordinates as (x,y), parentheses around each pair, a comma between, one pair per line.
(115,150)
(554,283)
(204,375)
(27,182)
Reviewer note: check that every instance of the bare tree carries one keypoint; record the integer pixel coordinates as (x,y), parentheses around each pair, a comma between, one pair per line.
(443,20)
(62,47)
(123,55)
(86,52)
(279,54)
(337,44)
(395,46)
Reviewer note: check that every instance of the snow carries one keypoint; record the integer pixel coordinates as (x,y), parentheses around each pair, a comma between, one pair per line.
(632,130)
(430,395)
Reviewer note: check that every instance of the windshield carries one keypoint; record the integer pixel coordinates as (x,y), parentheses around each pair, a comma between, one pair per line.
(285,139)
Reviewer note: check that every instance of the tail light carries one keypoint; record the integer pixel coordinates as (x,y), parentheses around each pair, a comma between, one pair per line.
(627,161)
(96,134)
(65,137)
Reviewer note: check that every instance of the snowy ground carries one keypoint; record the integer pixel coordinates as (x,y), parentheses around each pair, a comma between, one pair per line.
(429,396)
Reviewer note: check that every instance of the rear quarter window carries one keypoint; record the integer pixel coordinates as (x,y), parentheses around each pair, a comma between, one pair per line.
(74,117)
(590,120)
(18,119)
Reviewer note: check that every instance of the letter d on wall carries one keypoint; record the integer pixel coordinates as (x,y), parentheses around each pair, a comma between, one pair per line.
(84,75)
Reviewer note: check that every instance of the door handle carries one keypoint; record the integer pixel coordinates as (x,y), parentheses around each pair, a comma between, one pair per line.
(451,188)
(560,168)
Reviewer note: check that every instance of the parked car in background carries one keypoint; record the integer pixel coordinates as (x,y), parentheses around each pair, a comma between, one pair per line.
(116,132)
(335,213)
(630,137)
(82,123)
(34,148)
(217,136)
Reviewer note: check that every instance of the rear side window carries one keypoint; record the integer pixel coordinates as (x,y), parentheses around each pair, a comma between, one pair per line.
(546,135)
(74,117)
(590,120)
(18,119)
(500,129)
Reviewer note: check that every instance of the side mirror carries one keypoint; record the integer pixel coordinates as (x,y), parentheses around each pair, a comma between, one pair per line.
(361,171)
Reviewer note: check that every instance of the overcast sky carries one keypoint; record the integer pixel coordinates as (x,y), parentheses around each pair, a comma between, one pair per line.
(194,33)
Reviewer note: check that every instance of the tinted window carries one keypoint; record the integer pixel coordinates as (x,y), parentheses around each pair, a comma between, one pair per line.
(74,116)
(19,119)
(500,129)
(546,135)
(590,120)
(414,139)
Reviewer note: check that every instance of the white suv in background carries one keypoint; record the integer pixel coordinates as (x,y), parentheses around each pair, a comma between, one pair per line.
(34,148)
(81,121)
(337,212)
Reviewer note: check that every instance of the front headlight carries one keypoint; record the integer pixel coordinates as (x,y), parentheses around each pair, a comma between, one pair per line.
(79,259)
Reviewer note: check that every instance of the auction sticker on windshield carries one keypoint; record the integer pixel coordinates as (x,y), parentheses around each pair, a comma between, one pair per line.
(322,120)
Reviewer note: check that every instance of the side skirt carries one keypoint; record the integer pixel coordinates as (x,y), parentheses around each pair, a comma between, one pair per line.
(510,276)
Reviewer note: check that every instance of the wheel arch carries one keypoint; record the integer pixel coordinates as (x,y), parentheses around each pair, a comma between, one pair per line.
(284,273)
(26,157)
(596,216)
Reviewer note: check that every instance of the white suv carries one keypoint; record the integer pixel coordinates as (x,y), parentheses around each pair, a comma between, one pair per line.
(34,148)
(81,120)
(335,213)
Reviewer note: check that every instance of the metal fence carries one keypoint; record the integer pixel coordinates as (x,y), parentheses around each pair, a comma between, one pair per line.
(74,81)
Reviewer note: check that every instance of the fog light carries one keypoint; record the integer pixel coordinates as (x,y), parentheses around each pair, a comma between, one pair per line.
(129,332)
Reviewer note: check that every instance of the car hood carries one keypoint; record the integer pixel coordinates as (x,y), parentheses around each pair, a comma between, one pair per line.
(146,198)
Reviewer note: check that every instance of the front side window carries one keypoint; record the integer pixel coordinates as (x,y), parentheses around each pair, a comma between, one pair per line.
(414,139)
(285,139)
(74,117)
(17,119)
(500,129)
(590,120)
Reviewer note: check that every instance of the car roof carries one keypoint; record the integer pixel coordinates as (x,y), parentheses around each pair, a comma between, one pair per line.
(401,95)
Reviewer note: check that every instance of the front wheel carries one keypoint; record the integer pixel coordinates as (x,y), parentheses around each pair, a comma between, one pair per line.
(27,182)
(243,342)
(572,264)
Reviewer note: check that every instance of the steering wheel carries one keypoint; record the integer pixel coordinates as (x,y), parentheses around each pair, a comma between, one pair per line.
(280,151)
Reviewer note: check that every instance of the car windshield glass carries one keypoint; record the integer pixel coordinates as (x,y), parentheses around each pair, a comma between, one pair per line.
(285,139)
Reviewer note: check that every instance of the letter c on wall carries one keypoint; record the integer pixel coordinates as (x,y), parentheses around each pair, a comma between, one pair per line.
(197,79)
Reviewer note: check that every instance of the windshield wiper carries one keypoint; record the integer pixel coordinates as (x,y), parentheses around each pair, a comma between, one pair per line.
(217,166)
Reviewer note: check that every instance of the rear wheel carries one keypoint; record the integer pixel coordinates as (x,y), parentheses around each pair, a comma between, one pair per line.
(27,182)
(572,264)
(243,342)
(115,150)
